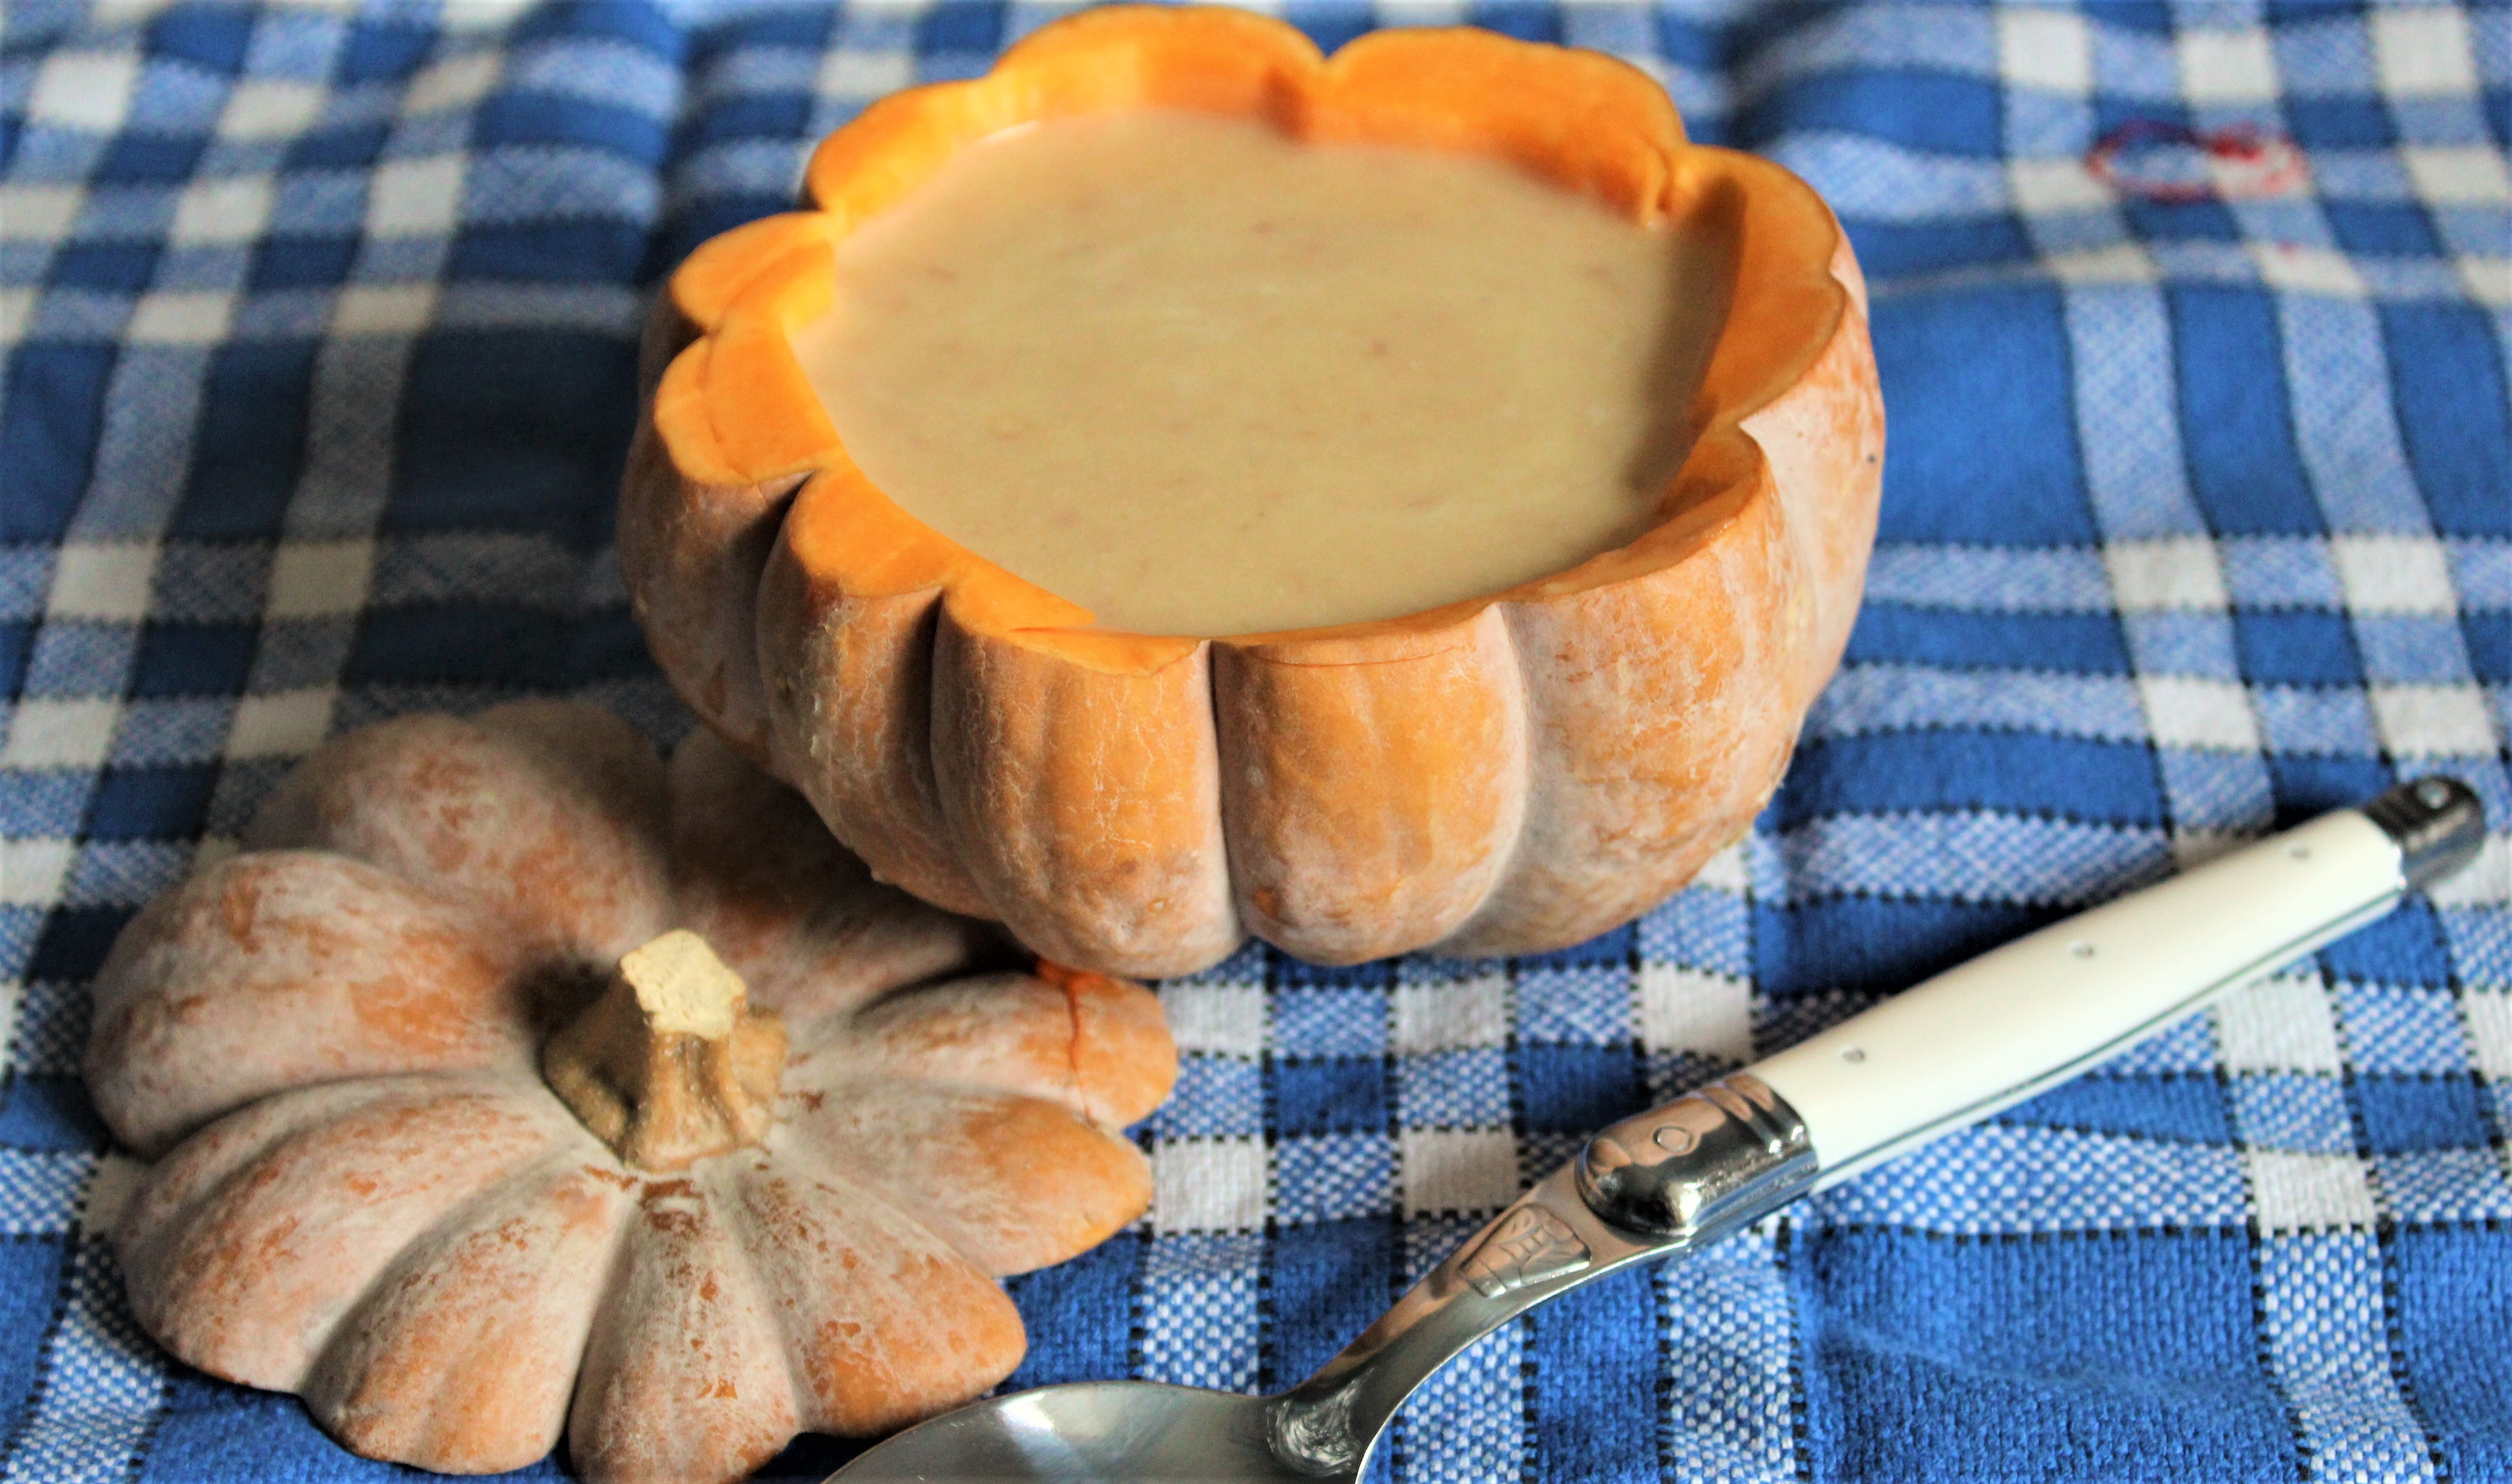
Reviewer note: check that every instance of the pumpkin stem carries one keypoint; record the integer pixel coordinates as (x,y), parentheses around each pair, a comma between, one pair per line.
(670,1064)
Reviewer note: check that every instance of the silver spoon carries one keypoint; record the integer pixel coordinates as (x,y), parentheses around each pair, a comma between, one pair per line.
(1974,1039)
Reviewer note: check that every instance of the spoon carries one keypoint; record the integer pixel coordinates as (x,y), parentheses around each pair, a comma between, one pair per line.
(1933,1059)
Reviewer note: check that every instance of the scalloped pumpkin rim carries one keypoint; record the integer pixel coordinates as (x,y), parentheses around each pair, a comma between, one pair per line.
(1580,118)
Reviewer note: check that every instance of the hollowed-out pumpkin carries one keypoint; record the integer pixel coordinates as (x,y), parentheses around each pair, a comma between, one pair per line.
(1508,774)
(510,1082)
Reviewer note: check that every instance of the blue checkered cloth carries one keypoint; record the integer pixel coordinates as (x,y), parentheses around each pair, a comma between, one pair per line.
(319,331)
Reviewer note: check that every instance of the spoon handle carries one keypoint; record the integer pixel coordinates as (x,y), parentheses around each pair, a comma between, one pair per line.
(1931,1059)
(2037,1011)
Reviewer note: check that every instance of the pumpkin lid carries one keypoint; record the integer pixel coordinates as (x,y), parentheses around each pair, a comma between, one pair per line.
(512,1080)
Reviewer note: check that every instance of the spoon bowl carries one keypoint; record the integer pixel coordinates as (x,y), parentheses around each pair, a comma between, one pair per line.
(1091,1430)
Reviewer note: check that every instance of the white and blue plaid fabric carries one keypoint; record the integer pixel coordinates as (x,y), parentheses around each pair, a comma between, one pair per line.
(319,327)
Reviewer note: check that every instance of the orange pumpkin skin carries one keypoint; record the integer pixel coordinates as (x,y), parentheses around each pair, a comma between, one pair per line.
(1505,775)
(366,1192)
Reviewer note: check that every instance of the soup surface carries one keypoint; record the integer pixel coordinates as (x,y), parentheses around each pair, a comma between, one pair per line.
(1203,379)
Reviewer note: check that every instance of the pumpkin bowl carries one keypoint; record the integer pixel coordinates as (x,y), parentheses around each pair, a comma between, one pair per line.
(1508,774)
(467,1128)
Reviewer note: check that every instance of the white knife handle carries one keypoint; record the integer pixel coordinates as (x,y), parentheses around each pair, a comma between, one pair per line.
(2038,1010)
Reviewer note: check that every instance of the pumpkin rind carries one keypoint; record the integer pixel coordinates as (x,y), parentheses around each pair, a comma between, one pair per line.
(369,1194)
(726,1385)
(464,1351)
(381,979)
(1504,775)
(547,815)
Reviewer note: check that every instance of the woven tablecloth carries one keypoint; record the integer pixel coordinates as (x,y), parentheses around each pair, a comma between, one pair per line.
(319,331)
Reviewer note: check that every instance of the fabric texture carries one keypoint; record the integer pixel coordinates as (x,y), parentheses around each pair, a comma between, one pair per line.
(2193,325)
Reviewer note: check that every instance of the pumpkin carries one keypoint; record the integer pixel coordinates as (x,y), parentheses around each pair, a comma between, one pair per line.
(1503,775)
(512,1081)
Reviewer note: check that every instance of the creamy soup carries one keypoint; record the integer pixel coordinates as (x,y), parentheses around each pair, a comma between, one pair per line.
(1203,379)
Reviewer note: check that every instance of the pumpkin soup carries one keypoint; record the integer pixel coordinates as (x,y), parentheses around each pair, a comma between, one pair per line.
(1204,380)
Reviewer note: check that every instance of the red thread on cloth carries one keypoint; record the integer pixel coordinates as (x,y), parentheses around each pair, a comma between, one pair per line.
(2242,162)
